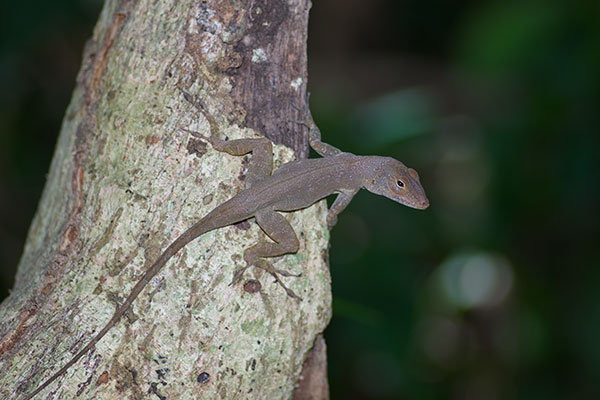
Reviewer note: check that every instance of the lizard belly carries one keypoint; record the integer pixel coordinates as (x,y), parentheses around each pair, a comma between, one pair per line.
(305,196)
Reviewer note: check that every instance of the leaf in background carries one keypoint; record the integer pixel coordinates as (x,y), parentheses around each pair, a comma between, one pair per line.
(393,117)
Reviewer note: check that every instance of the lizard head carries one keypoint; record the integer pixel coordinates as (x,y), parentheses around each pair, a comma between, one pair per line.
(395,181)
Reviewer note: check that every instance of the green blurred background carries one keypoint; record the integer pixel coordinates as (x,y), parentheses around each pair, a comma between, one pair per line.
(494,291)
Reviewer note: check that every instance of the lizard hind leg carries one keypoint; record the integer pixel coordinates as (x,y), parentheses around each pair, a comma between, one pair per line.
(285,241)
(260,165)
(261,162)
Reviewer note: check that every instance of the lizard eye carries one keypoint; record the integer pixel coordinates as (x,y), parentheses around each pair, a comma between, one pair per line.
(400,184)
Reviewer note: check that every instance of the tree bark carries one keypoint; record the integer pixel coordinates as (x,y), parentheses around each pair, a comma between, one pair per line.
(126,180)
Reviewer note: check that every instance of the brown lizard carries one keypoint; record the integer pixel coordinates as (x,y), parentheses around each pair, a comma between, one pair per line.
(293,186)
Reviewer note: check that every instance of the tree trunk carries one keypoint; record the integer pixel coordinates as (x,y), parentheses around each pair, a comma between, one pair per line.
(126,180)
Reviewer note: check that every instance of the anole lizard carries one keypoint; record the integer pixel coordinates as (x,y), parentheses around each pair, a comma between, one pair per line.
(293,186)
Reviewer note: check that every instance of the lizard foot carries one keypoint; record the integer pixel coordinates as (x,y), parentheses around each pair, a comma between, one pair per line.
(237,275)
(267,266)
(197,135)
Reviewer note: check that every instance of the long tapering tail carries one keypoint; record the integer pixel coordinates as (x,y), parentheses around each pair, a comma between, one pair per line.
(206,224)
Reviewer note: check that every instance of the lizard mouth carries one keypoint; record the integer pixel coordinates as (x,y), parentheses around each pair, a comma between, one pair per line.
(419,205)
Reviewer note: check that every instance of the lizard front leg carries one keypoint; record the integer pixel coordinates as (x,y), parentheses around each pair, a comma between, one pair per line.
(314,134)
(314,139)
(341,201)
(285,241)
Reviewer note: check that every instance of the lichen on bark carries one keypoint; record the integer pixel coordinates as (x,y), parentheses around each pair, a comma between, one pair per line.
(126,180)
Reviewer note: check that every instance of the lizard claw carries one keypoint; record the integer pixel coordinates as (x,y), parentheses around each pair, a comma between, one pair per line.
(286,273)
(289,291)
(268,267)
(197,135)
(331,220)
(237,275)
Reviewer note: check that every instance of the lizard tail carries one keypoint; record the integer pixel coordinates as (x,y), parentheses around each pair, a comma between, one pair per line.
(206,224)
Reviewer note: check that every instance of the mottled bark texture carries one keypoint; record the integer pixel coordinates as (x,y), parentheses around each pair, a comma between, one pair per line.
(126,180)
